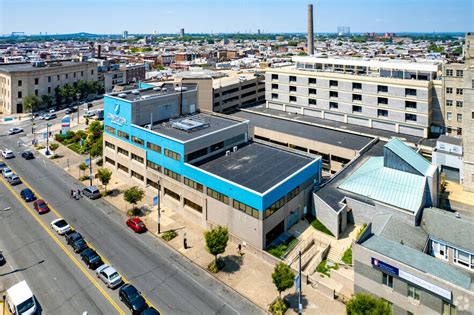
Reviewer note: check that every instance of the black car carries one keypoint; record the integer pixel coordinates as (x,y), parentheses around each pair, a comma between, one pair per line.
(72,237)
(150,311)
(27,195)
(91,258)
(79,245)
(129,295)
(27,155)
(2,165)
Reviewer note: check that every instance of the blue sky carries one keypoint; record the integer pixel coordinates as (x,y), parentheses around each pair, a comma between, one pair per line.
(197,16)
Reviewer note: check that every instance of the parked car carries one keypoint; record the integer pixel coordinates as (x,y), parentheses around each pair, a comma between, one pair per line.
(137,225)
(52,110)
(50,116)
(27,195)
(15,130)
(79,245)
(132,298)
(89,114)
(91,258)
(8,154)
(60,226)
(2,259)
(91,192)
(150,311)
(27,155)
(68,111)
(2,165)
(7,172)
(109,276)
(72,237)
(40,206)
(14,180)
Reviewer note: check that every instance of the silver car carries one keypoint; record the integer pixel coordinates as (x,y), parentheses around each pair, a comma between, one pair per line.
(6,172)
(14,180)
(109,276)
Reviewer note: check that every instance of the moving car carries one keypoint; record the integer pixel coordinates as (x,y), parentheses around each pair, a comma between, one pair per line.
(20,299)
(137,225)
(129,295)
(79,245)
(89,113)
(7,172)
(68,111)
(14,180)
(72,237)
(91,258)
(50,116)
(150,311)
(27,195)
(109,276)
(91,192)
(60,226)
(41,206)
(15,130)
(27,155)
(52,110)
(8,154)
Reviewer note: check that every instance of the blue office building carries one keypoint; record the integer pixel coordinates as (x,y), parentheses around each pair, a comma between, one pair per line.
(205,165)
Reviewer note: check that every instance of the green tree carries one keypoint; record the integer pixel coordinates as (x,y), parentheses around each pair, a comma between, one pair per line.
(83,167)
(216,241)
(133,195)
(31,103)
(46,100)
(53,147)
(95,129)
(104,175)
(283,278)
(97,149)
(366,304)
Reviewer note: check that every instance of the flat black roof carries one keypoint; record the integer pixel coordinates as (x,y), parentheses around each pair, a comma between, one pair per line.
(307,131)
(24,67)
(215,123)
(146,93)
(330,192)
(255,166)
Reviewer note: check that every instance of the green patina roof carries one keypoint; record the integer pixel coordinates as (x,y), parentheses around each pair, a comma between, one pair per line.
(409,155)
(400,189)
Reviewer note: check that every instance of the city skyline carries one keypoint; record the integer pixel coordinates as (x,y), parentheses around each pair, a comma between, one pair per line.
(54,17)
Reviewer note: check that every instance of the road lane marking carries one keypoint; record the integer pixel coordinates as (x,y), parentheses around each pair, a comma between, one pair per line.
(63,248)
(105,260)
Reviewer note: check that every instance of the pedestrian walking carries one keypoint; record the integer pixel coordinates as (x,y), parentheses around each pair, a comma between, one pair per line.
(239,249)
(71,193)
(185,241)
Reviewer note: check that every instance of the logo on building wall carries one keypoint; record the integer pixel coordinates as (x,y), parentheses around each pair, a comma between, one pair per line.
(117,108)
(114,118)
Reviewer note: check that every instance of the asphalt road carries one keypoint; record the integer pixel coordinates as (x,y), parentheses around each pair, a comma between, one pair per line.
(167,279)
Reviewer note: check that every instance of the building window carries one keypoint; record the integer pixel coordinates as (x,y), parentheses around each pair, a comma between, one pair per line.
(49,79)
(333,94)
(292,88)
(244,208)
(356,98)
(459,131)
(110,129)
(356,109)
(458,91)
(173,155)
(312,81)
(122,151)
(193,184)
(449,103)
(109,160)
(67,76)
(312,101)
(192,205)
(172,194)
(274,76)
(74,74)
(292,98)
(438,250)
(413,292)
(382,88)
(218,196)
(459,104)
(333,83)
(274,86)
(449,90)
(137,158)
(387,280)
(20,94)
(109,145)
(122,168)
(356,86)
(92,72)
(449,72)
(172,174)
(153,166)
(459,118)
(58,77)
(274,96)
(312,91)
(292,194)
(20,82)
(410,92)
(138,141)
(122,134)
(448,309)
(463,258)
(382,113)
(137,175)
(472,84)
(410,104)
(333,105)
(382,100)
(49,90)
(36,92)
(459,73)
(82,73)
(449,129)
(410,117)
(274,207)
(36,81)
(292,78)
(449,116)
(153,147)
(472,115)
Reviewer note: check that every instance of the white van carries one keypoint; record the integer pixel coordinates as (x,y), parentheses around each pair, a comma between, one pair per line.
(20,299)
(89,113)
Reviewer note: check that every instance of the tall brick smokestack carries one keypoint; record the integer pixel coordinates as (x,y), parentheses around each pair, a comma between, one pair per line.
(310,30)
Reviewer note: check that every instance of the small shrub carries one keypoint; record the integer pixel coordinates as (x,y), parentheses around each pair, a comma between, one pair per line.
(322,268)
(320,227)
(76,148)
(215,266)
(278,307)
(99,162)
(361,230)
(133,212)
(281,249)
(347,256)
(84,177)
(169,235)
(40,147)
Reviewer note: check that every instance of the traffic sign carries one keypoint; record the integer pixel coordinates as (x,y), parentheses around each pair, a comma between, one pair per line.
(87,161)
(155,200)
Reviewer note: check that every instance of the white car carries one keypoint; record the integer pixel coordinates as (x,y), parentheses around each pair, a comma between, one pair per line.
(60,226)
(6,172)
(8,154)
(15,130)
(109,276)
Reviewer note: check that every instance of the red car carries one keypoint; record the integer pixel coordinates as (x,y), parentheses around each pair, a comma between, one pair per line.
(137,225)
(41,206)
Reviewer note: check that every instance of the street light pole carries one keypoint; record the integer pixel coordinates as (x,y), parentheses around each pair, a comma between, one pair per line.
(47,139)
(90,166)
(300,305)
(159,207)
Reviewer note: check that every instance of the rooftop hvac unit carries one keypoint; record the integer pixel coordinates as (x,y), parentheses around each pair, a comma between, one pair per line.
(227,153)
(180,89)
(122,95)
(234,149)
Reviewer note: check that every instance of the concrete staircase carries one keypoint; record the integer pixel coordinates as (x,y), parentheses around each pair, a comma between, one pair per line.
(335,254)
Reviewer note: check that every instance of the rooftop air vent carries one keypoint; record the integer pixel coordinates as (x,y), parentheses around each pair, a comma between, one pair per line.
(122,95)
(135,92)
(157,88)
(227,153)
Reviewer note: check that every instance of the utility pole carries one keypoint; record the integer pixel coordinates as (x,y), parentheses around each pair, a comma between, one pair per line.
(90,165)
(300,305)
(47,139)
(159,206)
